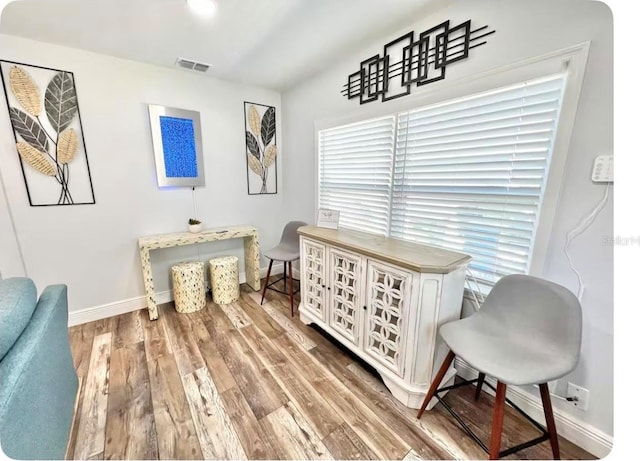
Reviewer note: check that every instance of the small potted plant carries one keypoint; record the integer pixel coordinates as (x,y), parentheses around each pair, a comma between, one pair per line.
(195,226)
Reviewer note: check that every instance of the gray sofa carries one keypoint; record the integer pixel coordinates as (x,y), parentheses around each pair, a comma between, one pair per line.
(38,382)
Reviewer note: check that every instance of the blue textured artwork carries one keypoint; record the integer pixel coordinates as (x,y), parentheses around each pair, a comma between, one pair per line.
(179,147)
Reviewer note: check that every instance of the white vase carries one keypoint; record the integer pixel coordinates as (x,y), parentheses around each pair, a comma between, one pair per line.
(195,228)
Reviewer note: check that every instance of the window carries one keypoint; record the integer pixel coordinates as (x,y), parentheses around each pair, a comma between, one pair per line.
(356,165)
(467,175)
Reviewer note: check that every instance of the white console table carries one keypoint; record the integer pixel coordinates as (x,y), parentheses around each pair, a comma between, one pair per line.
(153,242)
(383,299)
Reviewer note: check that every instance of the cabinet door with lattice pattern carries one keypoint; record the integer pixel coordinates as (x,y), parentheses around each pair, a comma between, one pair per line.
(312,264)
(388,291)
(344,293)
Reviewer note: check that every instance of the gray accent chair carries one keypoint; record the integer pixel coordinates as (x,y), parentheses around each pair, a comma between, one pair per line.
(527,332)
(38,382)
(287,251)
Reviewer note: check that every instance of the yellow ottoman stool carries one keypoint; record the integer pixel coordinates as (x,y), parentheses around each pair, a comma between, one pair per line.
(225,287)
(188,286)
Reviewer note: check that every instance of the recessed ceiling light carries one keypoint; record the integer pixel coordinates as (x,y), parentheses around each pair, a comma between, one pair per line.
(202,7)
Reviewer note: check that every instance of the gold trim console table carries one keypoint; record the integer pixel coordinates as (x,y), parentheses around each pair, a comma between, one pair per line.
(154,242)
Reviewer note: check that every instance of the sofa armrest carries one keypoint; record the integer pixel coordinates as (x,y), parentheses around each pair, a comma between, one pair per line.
(39,383)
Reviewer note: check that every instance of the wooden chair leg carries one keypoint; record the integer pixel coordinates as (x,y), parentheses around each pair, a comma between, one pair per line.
(479,385)
(551,424)
(291,286)
(284,277)
(436,382)
(266,283)
(498,418)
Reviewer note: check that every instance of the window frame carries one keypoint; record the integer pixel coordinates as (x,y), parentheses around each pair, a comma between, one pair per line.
(571,60)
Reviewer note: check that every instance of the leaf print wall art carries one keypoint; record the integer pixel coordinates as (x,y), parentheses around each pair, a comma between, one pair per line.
(44,115)
(261,148)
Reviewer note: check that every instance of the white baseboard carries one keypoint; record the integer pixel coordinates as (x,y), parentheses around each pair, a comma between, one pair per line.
(584,435)
(91,314)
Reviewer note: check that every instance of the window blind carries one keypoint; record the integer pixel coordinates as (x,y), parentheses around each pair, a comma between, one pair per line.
(470,174)
(355,173)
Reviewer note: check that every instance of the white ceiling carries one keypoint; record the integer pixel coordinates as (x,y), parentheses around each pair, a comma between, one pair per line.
(269,43)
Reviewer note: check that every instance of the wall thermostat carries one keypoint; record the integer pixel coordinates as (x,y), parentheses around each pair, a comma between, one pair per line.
(603,169)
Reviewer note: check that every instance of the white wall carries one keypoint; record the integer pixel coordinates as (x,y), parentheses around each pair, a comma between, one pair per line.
(524,29)
(93,248)
(11,264)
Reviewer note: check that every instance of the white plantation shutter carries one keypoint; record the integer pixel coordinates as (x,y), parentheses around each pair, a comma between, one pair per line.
(355,170)
(470,174)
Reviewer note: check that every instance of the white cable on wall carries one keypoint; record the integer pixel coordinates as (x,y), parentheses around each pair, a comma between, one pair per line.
(476,293)
(195,215)
(195,203)
(579,229)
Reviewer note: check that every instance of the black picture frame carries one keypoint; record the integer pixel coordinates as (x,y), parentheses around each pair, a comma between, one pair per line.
(405,67)
(351,84)
(369,67)
(425,39)
(446,60)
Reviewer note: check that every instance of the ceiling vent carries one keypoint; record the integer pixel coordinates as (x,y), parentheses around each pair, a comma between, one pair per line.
(193,65)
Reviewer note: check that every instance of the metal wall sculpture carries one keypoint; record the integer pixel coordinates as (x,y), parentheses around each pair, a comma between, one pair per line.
(44,114)
(261,148)
(411,60)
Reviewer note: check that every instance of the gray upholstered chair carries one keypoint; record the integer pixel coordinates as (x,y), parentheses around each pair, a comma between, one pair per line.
(287,251)
(528,331)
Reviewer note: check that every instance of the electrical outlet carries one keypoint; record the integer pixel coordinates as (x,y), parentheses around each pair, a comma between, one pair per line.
(580,396)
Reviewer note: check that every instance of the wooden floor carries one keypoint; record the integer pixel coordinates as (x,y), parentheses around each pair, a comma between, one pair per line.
(245,381)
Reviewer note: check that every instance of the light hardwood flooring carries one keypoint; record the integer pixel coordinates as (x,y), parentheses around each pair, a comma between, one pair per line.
(245,381)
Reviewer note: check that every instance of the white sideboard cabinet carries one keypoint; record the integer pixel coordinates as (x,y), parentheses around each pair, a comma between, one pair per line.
(384,299)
